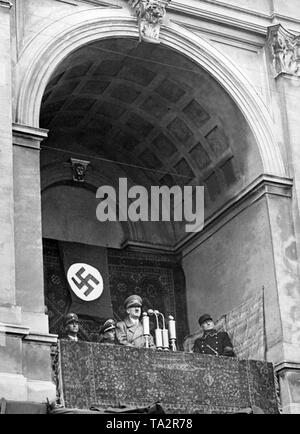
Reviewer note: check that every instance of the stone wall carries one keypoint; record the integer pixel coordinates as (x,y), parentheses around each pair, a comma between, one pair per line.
(232,266)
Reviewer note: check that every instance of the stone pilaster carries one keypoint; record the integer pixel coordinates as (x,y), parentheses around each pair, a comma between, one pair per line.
(28,230)
(289,378)
(25,365)
(286,264)
(7,264)
(288,88)
(284,53)
(25,362)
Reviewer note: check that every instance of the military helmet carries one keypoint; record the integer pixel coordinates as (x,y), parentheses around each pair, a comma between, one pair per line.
(107,326)
(71,317)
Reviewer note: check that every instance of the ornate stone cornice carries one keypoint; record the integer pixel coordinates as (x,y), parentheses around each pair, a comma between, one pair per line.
(13,329)
(264,185)
(284,49)
(286,366)
(28,137)
(150,14)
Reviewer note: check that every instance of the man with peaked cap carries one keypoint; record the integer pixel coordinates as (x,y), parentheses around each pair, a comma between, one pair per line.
(130,331)
(212,342)
(108,332)
(71,324)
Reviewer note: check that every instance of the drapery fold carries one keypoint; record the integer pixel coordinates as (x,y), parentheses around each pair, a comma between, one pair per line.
(246,328)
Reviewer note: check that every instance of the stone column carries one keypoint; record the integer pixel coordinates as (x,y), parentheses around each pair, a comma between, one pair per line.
(25,365)
(36,361)
(284,53)
(12,381)
(8,311)
(28,227)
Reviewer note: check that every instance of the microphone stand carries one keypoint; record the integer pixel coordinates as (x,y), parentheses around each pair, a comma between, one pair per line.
(172,332)
(146,328)
(158,331)
(165,334)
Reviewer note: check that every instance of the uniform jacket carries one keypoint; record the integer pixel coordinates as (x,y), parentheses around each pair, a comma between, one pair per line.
(71,338)
(131,334)
(104,340)
(214,343)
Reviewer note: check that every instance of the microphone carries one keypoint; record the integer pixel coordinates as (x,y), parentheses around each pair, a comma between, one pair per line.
(172,332)
(146,328)
(158,331)
(154,312)
(165,334)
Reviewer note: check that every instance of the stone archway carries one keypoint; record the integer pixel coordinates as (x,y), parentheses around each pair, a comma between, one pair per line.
(58,40)
(37,62)
(47,50)
(51,47)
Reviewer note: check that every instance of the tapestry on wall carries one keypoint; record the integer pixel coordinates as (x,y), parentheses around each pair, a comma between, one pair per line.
(246,327)
(158,279)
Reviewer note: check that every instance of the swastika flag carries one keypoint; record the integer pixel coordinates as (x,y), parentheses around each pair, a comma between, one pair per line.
(86,271)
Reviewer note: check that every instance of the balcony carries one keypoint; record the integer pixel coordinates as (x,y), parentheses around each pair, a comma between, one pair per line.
(105,376)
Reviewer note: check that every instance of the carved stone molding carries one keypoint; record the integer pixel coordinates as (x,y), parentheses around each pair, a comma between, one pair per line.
(150,14)
(49,47)
(264,185)
(28,137)
(284,48)
(79,168)
(5,4)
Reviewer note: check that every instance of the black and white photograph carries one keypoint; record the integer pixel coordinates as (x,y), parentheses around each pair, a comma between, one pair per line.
(149,210)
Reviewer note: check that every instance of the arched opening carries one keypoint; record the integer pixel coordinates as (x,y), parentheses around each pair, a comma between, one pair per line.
(151,115)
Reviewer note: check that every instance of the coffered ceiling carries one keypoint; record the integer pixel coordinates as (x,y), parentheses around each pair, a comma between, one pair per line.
(128,108)
(159,117)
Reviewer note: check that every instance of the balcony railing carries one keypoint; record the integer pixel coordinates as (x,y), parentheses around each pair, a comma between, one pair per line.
(92,375)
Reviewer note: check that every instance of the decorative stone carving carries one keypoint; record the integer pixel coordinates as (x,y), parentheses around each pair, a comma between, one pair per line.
(150,15)
(284,47)
(79,168)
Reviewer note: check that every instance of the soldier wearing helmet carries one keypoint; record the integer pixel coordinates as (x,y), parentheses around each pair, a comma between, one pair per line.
(108,332)
(130,331)
(71,324)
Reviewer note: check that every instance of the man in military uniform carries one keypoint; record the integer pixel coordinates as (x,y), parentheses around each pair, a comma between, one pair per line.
(71,324)
(108,332)
(130,331)
(212,342)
